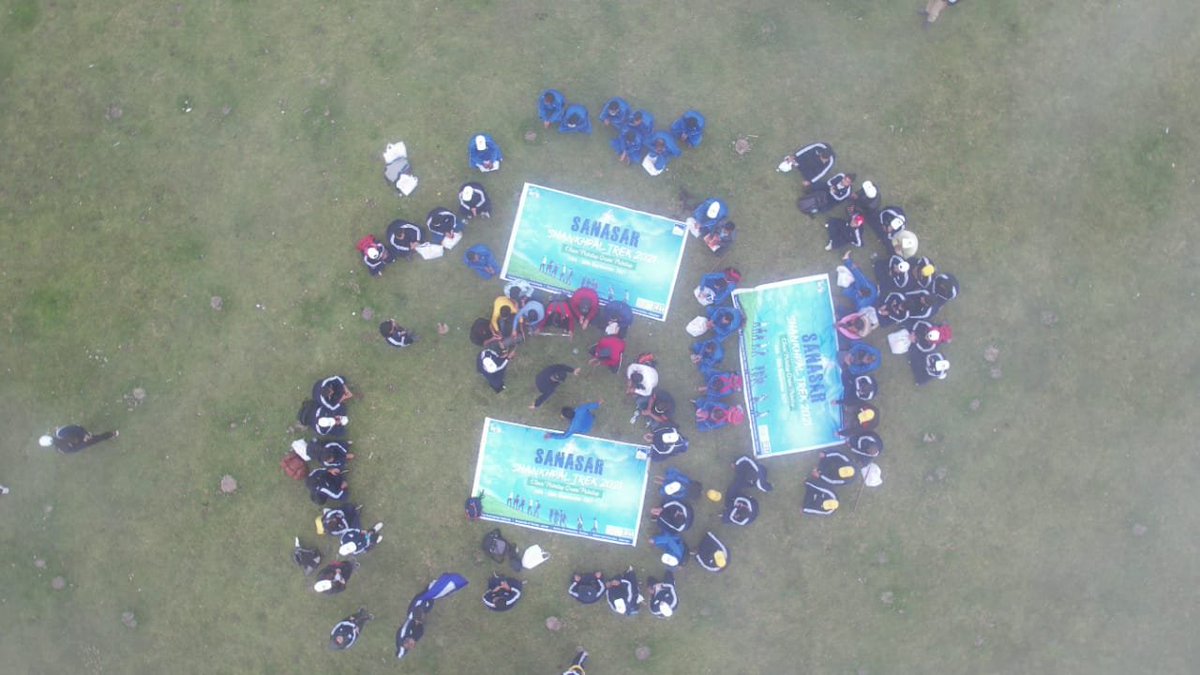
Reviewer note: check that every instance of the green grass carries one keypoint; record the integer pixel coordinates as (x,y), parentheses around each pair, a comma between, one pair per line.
(1045,153)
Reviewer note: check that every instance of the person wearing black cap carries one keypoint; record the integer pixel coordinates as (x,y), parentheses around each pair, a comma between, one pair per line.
(712,553)
(587,588)
(663,598)
(502,594)
(346,632)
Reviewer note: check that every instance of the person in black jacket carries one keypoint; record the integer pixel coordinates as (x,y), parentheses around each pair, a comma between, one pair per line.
(73,438)
(548,380)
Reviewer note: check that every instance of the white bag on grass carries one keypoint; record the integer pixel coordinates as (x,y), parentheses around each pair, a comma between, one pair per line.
(451,240)
(899,342)
(429,251)
(697,326)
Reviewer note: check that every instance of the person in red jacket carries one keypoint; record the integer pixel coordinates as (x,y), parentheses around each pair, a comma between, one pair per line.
(584,306)
(607,352)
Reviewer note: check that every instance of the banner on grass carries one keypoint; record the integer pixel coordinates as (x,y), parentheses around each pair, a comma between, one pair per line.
(789,365)
(562,241)
(581,486)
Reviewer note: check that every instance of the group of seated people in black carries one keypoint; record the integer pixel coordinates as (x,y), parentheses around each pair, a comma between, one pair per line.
(443,228)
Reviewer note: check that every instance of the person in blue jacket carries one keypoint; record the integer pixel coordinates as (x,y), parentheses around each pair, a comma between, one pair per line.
(614,113)
(480,259)
(709,214)
(619,313)
(582,418)
(550,107)
(718,287)
(484,154)
(675,550)
(575,120)
(712,415)
(640,121)
(724,320)
(689,128)
(707,353)
(629,146)
(863,292)
(661,149)
(861,359)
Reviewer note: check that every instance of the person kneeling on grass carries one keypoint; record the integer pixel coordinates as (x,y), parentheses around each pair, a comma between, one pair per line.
(575,120)
(716,288)
(550,107)
(689,128)
(720,383)
(346,632)
(333,577)
(608,352)
(614,112)
(503,593)
(622,593)
(724,320)
(663,598)
(712,554)
(587,588)
(819,500)
(396,335)
(357,542)
(582,418)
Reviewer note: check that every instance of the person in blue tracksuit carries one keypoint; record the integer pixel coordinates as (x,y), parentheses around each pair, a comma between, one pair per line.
(740,509)
(689,128)
(575,120)
(622,593)
(640,121)
(861,359)
(481,261)
(707,353)
(674,515)
(663,598)
(834,469)
(863,292)
(709,214)
(582,418)
(402,236)
(614,113)
(550,107)
(819,500)
(661,150)
(484,154)
(675,550)
(442,223)
(629,146)
(724,320)
(718,287)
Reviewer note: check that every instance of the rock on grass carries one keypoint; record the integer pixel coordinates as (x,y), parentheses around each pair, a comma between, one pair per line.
(58,583)
(642,653)
(228,484)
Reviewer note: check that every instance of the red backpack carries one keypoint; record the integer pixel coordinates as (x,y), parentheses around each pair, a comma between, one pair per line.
(294,466)
(366,243)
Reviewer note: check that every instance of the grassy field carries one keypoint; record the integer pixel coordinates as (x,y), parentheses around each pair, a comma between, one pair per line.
(1045,152)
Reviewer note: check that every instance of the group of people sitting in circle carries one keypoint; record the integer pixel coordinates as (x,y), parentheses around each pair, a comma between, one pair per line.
(635,140)
(907,292)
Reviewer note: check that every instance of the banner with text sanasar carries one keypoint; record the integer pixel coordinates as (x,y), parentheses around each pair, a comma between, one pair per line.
(789,352)
(562,241)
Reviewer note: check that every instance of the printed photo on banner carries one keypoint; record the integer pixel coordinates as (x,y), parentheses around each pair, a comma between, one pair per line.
(580,486)
(561,242)
(789,354)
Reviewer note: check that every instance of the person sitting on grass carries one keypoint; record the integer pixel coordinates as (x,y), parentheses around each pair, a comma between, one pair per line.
(663,598)
(723,320)
(860,359)
(895,275)
(920,305)
(689,128)
(662,149)
(864,448)
(707,354)
(442,223)
(929,367)
(740,509)
(473,201)
(819,500)
(858,325)
(857,418)
(622,593)
(396,335)
(585,304)
(718,287)
(859,388)
(660,408)
(675,550)
(712,415)
(575,120)
(332,393)
(629,146)
(503,593)
(402,237)
(928,337)
(325,484)
(529,317)
(748,473)
(614,113)
(491,364)
(665,442)
(340,519)
(548,379)
(331,454)
(721,238)
(720,383)
(673,516)
(481,261)
(332,579)
(587,588)
(617,318)
(894,308)
(375,256)
(641,121)
(678,485)
(888,223)
(712,553)
(608,352)
(840,187)
(707,216)
(582,419)
(834,469)
(844,231)
(812,161)
(550,107)
(345,633)
(484,154)
(862,292)
(359,541)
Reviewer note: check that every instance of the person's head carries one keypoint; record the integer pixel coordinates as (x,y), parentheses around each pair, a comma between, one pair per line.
(533,316)
(473,257)
(636,379)
(568,412)
(631,136)
(574,119)
(613,108)
(726,319)
(637,118)
(714,209)
(387,327)
(505,312)
(480,143)
(548,99)
(927,271)
(339,640)
(585,306)
(45,441)
(729,226)
(866,415)
(709,348)
(824,156)
(847,180)
(933,335)
(467,194)
(857,220)
(660,145)
(941,365)
(732,275)
(409,643)
(374,253)
(867,358)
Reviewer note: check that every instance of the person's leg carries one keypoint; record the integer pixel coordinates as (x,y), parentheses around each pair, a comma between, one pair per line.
(93,439)
(580,658)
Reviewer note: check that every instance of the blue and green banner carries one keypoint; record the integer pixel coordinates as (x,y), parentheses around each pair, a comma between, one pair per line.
(790,370)
(562,241)
(580,486)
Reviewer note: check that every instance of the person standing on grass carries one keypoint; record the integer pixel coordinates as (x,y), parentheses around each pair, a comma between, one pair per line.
(548,379)
(73,438)
(346,632)
(582,418)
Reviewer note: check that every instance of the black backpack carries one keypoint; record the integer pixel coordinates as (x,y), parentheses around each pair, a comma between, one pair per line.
(309,412)
(814,202)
